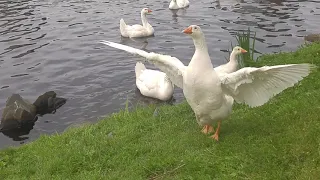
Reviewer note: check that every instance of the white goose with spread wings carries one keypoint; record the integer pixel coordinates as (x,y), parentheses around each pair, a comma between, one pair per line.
(157,84)
(210,94)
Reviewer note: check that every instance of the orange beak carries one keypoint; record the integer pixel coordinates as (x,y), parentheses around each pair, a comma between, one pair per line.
(149,11)
(243,51)
(188,30)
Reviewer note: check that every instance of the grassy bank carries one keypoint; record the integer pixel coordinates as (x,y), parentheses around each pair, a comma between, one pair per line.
(280,140)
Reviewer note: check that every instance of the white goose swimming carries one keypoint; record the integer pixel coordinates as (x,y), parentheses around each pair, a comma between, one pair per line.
(137,30)
(210,94)
(153,83)
(178,4)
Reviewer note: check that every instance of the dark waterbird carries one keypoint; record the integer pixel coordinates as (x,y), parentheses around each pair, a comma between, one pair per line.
(19,115)
(48,103)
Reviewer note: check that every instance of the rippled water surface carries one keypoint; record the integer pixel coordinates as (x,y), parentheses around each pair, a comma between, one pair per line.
(52,45)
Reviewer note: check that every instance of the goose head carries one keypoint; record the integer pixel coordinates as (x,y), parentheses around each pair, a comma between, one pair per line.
(197,36)
(194,31)
(238,50)
(146,11)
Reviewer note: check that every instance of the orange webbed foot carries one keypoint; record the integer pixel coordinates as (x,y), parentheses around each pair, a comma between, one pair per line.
(207,129)
(215,137)
(216,134)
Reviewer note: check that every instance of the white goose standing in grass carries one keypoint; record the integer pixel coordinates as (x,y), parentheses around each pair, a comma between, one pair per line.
(137,30)
(178,4)
(233,64)
(153,83)
(210,94)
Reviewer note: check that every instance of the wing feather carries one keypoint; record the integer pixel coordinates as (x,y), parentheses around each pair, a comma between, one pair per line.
(172,66)
(255,86)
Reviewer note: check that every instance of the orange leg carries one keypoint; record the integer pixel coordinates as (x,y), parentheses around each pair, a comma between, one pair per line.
(216,135)
(207,129)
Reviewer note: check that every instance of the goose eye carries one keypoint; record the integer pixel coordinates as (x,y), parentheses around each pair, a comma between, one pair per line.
(195,28)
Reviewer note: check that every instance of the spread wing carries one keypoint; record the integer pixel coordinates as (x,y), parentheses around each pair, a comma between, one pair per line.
(172,66)
(255,86)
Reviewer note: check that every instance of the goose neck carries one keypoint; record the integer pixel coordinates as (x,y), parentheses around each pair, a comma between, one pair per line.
(144,19)
(200,44)
(233,57)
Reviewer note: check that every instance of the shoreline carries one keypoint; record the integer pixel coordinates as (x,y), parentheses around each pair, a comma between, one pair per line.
(280,139)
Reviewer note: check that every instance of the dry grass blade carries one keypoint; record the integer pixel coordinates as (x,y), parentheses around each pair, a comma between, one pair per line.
(159,176)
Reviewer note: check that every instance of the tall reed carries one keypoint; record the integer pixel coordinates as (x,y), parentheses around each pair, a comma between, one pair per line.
(243,40)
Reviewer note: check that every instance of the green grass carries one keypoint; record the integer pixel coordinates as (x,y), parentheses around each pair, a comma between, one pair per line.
(279,140)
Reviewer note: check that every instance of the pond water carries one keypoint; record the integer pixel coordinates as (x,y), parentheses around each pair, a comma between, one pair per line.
(53,45)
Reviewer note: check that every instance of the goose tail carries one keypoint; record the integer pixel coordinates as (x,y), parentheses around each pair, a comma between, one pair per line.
(139,68)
